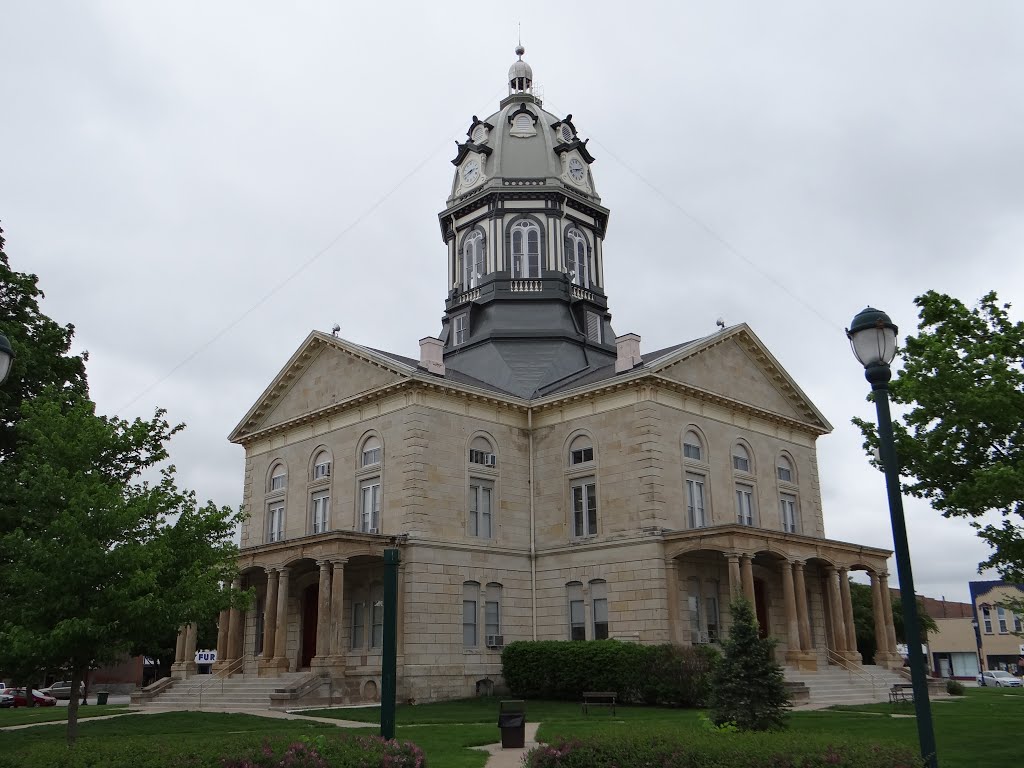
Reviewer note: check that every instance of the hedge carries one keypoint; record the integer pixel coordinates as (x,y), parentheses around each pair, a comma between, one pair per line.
(734,750)
(643,674)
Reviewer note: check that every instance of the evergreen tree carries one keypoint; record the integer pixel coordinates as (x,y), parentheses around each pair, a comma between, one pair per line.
(748,688)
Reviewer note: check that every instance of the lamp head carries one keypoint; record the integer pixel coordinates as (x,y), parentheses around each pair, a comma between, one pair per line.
(872,337)
(6,357)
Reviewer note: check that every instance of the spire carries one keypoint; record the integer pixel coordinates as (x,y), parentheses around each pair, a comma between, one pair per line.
(520,75)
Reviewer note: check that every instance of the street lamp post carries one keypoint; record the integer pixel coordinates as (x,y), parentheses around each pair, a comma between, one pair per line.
(873,339)
(6,357)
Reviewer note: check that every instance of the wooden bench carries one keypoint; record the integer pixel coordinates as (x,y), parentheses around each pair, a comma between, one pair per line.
(599,699)
(901,692)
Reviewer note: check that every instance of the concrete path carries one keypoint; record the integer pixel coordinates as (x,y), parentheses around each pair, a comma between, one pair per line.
(510,758)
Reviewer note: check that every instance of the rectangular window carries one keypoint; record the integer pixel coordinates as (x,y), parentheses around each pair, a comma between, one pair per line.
(785,474)
(787,504)
(322,470)
(695,500)
(358,624)
(584,508)
(741,463)
(278,482)
(1016,623)
(1001,614)
(577,625)
(711,618)
(987,616)
(492,619)
(480,509)
(484,458)
(745,504)
(275,523)
(461,328)
(697,633)
(582,455)
(371,456)
(599,603)
(369,508)
(321,512)
(469,623)
(691,451)
(377,626)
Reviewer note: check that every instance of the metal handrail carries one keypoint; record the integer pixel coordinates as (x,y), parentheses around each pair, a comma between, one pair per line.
(853,669)
(220,676)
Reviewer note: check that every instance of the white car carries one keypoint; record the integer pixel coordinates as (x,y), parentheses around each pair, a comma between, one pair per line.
(999,679)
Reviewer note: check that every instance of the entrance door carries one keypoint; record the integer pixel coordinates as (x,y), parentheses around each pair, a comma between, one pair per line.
(761,608)
(310,598)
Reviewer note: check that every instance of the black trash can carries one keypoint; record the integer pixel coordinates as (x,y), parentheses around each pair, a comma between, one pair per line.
(101,697)
(512,722)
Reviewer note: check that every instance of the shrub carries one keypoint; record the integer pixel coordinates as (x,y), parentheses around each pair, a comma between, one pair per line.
(748,687)
(728,750)
(336,751)
(649,674)
(954,687)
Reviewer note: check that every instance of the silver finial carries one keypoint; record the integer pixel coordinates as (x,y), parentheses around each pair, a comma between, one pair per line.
(520,50)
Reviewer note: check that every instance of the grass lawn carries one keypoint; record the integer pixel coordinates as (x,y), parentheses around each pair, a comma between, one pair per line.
(22,715)
(977,730)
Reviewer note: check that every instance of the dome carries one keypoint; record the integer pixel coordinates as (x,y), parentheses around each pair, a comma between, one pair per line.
(520,74)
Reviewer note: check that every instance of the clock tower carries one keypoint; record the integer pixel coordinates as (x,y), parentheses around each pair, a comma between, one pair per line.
(526,312)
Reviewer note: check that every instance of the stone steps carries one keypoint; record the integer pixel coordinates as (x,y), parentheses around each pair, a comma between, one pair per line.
(833,685)
(236,692)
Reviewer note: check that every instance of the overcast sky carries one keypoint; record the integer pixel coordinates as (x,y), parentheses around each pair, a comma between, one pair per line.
(200,184)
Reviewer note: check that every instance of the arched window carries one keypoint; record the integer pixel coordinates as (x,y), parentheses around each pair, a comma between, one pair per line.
(581,451)
(525,236)
(740,458)
(788,506)
(278,478)
(470,601)
(693,448)
(473,259)
(599,608)
(322,466)
(784,469)
(577,619)
(368,485)
(371,454)
(492,616)
(746,494)
(576,262)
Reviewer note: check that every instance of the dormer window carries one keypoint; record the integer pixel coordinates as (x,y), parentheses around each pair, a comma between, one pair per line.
(522,125)
(566,133)
(479,134)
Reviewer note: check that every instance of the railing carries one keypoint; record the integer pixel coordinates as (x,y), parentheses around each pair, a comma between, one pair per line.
(219,677)
(527,286)
(583,293)
(853,669)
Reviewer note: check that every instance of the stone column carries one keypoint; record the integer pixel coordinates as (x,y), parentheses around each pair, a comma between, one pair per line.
(337,644)
(793,652)
(747,573)
(222,635)
(890,628)
(735,584)
(270,614)
(675,627)
(179,646)
(802,613)
(234,625)
(835,609)
(191,638)
(323,615)
(878,613)
(281,633)
(851,627)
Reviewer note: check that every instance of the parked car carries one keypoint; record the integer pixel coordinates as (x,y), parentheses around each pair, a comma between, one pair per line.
(999,679)
(39,698)
(6,700)
(62,690)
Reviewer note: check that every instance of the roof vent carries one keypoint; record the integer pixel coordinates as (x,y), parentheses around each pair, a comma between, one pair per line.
(627,349)
(432,355)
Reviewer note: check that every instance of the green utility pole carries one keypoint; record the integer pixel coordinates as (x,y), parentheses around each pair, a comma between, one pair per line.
(389,660)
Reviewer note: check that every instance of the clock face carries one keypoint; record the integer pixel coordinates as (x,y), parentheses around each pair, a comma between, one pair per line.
(576,171)
(471,171)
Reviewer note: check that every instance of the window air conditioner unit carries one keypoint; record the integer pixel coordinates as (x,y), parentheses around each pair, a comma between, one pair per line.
(702,638)
(373,530)
(495,641)
(490,460)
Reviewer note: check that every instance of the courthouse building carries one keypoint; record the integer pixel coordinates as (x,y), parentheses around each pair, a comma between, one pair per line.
(543,477)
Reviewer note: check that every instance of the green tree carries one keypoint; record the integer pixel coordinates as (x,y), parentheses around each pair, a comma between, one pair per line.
(960,439)
(748,687)
(864,620)
(41,351)
(102,561)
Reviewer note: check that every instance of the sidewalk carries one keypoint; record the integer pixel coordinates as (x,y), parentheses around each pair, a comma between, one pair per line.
(510,758)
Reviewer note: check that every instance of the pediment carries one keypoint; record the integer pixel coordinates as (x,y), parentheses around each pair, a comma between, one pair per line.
(735,364)
(323,372)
